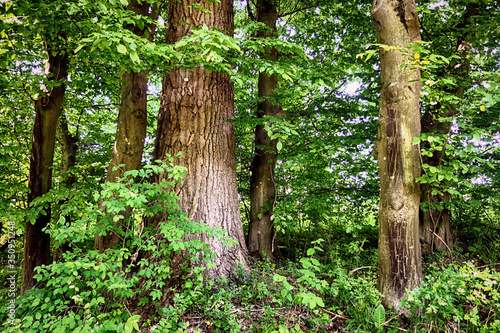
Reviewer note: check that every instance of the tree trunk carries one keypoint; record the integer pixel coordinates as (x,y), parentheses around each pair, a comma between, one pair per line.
(399,257)
(47,111)
(262,186)
(69,148)
(132,123)
(436,225)
(193,119)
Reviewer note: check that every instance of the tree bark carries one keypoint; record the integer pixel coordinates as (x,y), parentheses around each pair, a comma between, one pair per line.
(435,224)
(399,257)
(132,122)
(47,111)
(193,119)
(262,186)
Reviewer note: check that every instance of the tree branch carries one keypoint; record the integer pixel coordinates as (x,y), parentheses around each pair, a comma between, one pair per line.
(295,11)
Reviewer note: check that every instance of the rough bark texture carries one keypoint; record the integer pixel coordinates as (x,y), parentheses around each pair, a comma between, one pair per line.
(47,111)
(132,121)
(69,148)
(399,258)
(436,225)
(193,119)
(262,186)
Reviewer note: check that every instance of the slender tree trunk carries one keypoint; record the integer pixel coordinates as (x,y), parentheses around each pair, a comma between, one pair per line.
(262,186)
(69,148)
(47,111)
(193,119)
(399,258)
(436,224)
(132,122)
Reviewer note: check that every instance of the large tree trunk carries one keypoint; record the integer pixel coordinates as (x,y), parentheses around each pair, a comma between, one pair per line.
(132,123)
(436,224)
(47,111)
(262,186)
(399,257)
(193,119)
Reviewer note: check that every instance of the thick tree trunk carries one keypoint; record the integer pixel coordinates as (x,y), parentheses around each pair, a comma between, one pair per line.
(399,258)
(47,111)
(436,225)
(193,119)
(69,148)
(262,186)
(132,123)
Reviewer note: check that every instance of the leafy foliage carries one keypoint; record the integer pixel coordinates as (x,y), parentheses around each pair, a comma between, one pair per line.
(465,297)
(325,214)
(91,291)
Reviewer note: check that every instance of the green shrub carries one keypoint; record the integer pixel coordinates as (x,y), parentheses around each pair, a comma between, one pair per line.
(456,299)
(88,291)
(359,297)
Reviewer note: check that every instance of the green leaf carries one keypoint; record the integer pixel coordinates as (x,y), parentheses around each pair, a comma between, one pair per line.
(128,326)
(133,173)
(286,77)
(278,278)
(121,48)
(378,316)
(81,46)
(134,56)
(279,146)
(28,320)
(132,323)
(315,262)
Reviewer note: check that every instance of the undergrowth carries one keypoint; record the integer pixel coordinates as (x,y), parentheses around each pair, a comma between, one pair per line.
(92,294)
(148,284)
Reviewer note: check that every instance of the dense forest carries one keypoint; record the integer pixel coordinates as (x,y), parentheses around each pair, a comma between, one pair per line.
(250,166)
